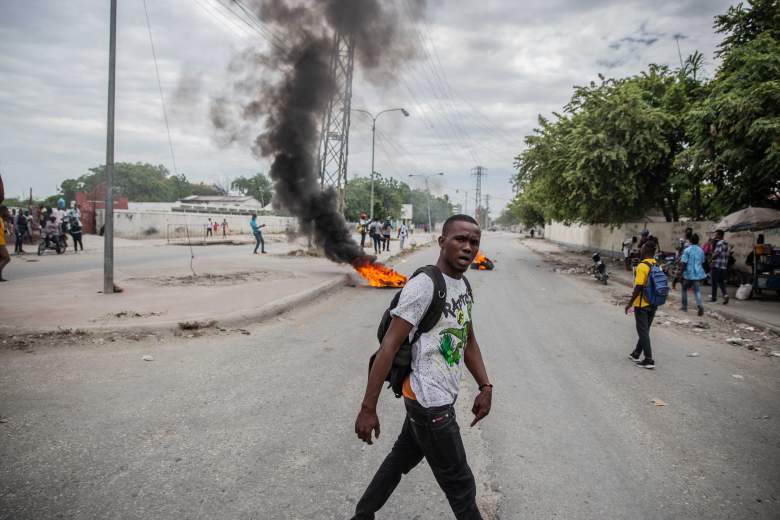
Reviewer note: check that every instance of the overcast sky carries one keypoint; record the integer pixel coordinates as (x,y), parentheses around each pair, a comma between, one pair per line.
(489,67)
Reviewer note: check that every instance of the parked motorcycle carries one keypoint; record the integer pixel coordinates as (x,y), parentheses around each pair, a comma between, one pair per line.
(599,269)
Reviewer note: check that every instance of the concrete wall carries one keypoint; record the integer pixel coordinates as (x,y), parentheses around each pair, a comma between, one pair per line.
(609,240)
(168,224)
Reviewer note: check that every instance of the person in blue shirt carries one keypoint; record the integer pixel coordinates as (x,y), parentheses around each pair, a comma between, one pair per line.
(692,261)
(259,242)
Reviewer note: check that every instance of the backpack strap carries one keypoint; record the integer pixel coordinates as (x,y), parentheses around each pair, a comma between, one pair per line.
(435,309)
(649,270)
(468,287)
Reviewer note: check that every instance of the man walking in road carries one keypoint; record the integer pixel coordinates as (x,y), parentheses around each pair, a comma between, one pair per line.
(259,242)
(643,311)
(719,266)
(692,261)
(208,228)
(376,236)
(387,231)
(403,233)
(430,429)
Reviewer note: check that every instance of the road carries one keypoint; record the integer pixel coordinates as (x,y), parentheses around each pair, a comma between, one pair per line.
(261,425)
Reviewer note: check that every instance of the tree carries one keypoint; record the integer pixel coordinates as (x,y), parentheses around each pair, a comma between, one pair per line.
(139,182)
(389,195)
(737,126)
(257,186)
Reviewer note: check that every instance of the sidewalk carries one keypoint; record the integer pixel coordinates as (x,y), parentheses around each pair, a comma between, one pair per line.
(764,314)
(232,287)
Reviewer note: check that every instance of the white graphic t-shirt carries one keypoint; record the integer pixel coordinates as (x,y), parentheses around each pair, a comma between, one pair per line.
(437,356)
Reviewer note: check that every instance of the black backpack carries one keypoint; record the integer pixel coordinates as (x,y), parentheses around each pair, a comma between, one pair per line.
(402,363)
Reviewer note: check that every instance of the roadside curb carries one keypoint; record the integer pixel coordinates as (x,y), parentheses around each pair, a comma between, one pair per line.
(234,319)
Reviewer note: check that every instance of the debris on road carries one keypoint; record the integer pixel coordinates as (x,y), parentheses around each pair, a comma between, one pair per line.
(693,354)
(761,418)
(775,354)
(734,341)
(658,402)
(737,376)
(147,357)
(196,325)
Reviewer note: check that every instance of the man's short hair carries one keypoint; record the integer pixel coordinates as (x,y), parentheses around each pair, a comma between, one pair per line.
(695,238)
(457,218)
(648,249)
(719,232)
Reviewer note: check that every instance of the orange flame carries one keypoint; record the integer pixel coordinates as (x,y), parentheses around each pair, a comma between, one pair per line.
(482,262)
(378,275)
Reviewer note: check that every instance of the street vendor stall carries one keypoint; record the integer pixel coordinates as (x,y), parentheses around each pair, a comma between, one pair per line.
(766,258)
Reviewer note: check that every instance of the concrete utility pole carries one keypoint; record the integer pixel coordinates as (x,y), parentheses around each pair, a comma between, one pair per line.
(479,172)
(487,209)
(108,236)
(428,191)
(373,145)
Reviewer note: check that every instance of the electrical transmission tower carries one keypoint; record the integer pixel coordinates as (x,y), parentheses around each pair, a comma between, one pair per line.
(479,172)
(334,136)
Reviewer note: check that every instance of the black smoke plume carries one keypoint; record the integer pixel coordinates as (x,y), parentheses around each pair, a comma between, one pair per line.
(293,94)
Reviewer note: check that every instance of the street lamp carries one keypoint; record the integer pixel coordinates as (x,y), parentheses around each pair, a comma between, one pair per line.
(373,144)
(426,176)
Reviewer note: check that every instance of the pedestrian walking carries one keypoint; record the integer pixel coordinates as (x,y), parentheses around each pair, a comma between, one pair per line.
(719,265)
(362,228)
(224,227)
(20,230)
(430,429)
(74,215)
(259,242)
(403,233)
(387,230)
(5,258)
(376,236)
(644,312)
(692,264)
(208,228)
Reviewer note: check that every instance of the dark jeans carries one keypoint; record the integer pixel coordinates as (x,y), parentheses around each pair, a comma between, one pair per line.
(377,244)
(363,239)
(208,231)
(432,433)
(19,240)
(644,319)
(386,240)
(259,242)
(77,241)
(718,280)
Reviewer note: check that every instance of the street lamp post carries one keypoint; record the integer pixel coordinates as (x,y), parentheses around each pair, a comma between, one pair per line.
(428,192)
(373,144)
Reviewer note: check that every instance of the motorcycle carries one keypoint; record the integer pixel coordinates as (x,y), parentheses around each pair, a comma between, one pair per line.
(54,243)
(599,269)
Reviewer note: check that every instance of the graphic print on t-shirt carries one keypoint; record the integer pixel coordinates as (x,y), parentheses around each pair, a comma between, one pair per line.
(453,339)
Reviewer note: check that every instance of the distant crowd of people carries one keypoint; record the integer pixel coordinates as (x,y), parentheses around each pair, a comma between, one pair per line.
(380,233)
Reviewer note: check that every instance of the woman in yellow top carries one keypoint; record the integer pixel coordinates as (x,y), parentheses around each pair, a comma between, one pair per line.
(643,311)
(4,256)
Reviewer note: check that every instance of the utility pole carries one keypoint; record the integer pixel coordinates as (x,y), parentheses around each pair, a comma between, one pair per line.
(479,172)
(428,192)
(108,236)
(487,209)
(334,135)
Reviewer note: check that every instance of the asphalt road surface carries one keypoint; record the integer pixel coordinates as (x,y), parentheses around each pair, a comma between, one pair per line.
(261,426)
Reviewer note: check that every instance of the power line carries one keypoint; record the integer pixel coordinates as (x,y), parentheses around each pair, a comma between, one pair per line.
(167,126)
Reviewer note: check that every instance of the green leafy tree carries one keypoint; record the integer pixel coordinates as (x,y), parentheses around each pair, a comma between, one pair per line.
(737,126)
(257,186)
